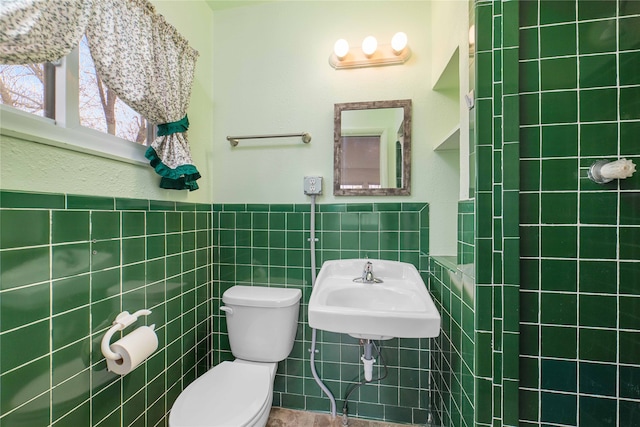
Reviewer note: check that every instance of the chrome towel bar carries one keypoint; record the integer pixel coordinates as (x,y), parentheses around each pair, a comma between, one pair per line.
(234,140)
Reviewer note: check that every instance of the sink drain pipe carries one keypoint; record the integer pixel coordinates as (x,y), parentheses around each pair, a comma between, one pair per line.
(312,241)
(368,346)
(368,360)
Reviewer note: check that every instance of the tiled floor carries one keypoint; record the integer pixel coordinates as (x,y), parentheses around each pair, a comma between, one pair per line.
(280,417)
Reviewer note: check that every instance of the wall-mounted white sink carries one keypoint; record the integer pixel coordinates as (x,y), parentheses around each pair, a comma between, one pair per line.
(395,304)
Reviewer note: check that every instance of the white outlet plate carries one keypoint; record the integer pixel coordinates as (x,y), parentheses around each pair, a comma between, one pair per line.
(312,185)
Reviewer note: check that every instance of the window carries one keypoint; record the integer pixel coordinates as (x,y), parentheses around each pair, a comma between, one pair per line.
(90,105)
(22,87)
(101,109)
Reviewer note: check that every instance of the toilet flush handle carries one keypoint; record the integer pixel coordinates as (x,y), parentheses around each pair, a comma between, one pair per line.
(226,309)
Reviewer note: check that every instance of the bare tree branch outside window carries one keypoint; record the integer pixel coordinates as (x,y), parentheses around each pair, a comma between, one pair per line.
(100,107)
(22,87)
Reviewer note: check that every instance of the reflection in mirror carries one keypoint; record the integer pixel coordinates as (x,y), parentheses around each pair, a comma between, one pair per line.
(372,148)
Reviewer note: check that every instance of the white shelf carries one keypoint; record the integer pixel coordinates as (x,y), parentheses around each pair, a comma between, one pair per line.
(451,141)
(449,77)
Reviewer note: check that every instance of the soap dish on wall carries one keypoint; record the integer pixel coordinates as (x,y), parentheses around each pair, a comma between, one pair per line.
(604,171)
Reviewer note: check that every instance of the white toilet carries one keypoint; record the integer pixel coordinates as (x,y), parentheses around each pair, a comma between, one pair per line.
(262,325)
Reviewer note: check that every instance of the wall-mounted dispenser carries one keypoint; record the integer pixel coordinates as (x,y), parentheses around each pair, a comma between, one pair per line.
(127,353)
(604,171)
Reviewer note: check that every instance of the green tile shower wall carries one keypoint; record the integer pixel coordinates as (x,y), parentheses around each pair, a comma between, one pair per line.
(497,211)
(68,265)
(453,366)
(580,294)
(267,245)
(466,232)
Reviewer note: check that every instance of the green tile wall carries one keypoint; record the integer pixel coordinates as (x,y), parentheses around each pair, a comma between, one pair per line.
(68,265)
(266,245)
(580,293)
(497,246)
(466,232)
(452,285)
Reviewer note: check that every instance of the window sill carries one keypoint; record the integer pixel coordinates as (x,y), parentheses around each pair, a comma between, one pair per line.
(22,125)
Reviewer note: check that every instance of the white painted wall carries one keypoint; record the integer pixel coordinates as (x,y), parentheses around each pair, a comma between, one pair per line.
(264,69)
(271,75)
(450,33)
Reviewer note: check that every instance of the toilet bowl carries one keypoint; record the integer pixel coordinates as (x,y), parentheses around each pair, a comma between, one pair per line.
(262,323)
(232,394)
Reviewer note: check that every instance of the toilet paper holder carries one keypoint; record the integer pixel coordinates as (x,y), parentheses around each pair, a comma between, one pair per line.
(123,320)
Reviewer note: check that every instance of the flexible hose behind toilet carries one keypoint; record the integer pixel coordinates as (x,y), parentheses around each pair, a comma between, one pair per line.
(312,240)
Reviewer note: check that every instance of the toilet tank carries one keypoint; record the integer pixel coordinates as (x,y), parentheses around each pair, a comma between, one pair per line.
(261,322)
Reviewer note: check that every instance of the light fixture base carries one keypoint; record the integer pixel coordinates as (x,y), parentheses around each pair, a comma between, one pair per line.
(384,55)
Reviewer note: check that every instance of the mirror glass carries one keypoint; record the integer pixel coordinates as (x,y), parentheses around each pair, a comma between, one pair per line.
(372,148)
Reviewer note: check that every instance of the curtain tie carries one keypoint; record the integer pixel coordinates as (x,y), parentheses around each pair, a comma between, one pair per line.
(174,127)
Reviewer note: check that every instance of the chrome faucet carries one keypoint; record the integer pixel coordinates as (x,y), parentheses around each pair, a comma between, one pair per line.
(367,275)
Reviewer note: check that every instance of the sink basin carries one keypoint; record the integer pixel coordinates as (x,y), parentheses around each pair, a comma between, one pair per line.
(399,306)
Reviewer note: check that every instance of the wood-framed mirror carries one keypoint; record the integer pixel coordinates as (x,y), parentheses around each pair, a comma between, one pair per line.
(372,148)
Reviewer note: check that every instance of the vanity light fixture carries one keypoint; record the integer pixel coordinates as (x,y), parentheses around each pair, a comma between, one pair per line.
(371,54)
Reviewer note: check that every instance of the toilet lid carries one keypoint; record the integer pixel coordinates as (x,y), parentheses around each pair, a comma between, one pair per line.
(229,394)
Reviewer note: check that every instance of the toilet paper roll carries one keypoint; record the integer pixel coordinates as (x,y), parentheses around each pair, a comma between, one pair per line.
(134,349)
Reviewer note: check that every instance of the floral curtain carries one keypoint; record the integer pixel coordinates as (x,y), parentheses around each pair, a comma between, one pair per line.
(150,66)
(138,55)
(34,31)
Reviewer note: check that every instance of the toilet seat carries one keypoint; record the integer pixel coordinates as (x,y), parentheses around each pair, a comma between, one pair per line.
(228,395)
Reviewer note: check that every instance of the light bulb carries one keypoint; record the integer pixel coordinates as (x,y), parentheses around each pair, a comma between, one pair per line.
(399,42)
(369,45)
(341,48)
